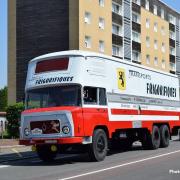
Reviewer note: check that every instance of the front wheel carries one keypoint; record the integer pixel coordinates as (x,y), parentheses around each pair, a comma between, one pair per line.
(45,154)
(98,148)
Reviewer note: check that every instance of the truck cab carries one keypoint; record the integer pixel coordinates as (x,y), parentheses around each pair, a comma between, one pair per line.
(63,105)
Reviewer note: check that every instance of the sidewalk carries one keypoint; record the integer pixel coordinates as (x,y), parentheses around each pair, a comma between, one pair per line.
(11,150)
(8,142)
(11,145)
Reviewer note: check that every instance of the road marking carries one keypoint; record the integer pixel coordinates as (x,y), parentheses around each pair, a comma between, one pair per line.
(17,152)
(120,165)
(4,166)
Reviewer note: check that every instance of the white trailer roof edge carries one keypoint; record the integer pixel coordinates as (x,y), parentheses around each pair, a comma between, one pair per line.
(93,54)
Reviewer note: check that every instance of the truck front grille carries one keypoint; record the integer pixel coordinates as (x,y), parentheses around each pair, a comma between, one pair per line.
(45,127)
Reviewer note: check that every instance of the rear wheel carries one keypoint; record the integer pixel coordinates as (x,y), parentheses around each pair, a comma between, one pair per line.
(152,141)
(98,148)
(44,152)
(165,136)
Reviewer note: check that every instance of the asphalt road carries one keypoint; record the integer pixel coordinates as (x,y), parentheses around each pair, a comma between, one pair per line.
(136,164)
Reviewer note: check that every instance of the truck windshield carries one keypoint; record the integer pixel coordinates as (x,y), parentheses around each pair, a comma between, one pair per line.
(53,97)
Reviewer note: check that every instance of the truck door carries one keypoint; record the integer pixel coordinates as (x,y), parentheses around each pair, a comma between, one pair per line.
(94,108)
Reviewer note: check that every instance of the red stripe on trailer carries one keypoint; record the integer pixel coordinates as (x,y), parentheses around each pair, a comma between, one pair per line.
(143,112)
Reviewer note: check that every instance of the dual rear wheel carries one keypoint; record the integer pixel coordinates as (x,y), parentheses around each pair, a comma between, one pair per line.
(160,137)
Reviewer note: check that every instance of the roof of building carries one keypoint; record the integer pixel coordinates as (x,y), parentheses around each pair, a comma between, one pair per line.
(169,7)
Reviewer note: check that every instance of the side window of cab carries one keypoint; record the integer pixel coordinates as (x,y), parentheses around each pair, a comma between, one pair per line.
(94,96)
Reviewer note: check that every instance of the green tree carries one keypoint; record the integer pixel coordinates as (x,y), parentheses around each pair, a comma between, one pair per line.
(13,117)
(3,99)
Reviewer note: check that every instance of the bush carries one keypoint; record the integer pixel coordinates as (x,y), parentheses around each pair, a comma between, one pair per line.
(3,99)
(13,117)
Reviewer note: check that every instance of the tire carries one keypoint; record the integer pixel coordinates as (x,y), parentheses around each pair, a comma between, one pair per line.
(152,141)
(98,148)
(45,154)
(165,136)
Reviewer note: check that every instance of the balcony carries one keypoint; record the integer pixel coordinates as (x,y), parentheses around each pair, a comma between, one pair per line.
(171,27)
(172,67)
(172,50)
(117,40)
(136,7)
(136,36)
(136,57)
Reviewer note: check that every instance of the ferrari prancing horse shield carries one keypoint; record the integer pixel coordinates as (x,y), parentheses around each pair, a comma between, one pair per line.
(121,78)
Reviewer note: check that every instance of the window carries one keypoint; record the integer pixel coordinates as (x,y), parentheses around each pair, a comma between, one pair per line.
(101,46)
(147,59)
(163,64)
(172,66)
(136,56)
(171,18)
(57,64)
(172,50)
(90,95)
(156,61)
(101,23)
(162,13)
(93,95)
(147,23)
(117,29)
(87,41)
(155,9)
(101,3)
(147,4)
(102,96)
(136,2)
(116,8)
(136,36)
(172,35)
(163,49)
(117,50)
(53,97)
(155,27)
(87,17)
(135,17)
(147,41)
(155,44)
(163,30)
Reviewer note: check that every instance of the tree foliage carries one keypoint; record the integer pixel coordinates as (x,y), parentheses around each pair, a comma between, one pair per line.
(3,99)
(13,118)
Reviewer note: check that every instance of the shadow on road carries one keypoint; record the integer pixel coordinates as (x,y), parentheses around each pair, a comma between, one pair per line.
(31,159)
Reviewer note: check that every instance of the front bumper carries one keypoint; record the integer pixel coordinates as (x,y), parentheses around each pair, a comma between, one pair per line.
(71,140)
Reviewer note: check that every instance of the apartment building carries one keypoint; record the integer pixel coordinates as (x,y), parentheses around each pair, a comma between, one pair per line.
(141,31)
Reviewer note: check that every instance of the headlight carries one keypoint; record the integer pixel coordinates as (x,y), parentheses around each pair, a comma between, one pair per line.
(65,130)
(26,132)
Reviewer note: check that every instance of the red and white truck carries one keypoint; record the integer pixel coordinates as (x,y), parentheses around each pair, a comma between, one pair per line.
(82,100)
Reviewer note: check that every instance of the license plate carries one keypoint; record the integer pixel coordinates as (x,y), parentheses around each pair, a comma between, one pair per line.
(36,131)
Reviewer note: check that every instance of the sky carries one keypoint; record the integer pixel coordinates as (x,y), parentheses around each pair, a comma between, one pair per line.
(3,43)
(175,4)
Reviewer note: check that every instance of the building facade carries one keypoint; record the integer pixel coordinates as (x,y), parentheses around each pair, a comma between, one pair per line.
(141,31)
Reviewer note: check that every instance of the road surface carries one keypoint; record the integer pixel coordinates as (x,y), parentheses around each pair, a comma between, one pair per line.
(136,164)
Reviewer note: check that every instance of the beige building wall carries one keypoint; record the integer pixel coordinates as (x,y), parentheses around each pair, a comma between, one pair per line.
(11,51)
(159,36)
(93,29)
